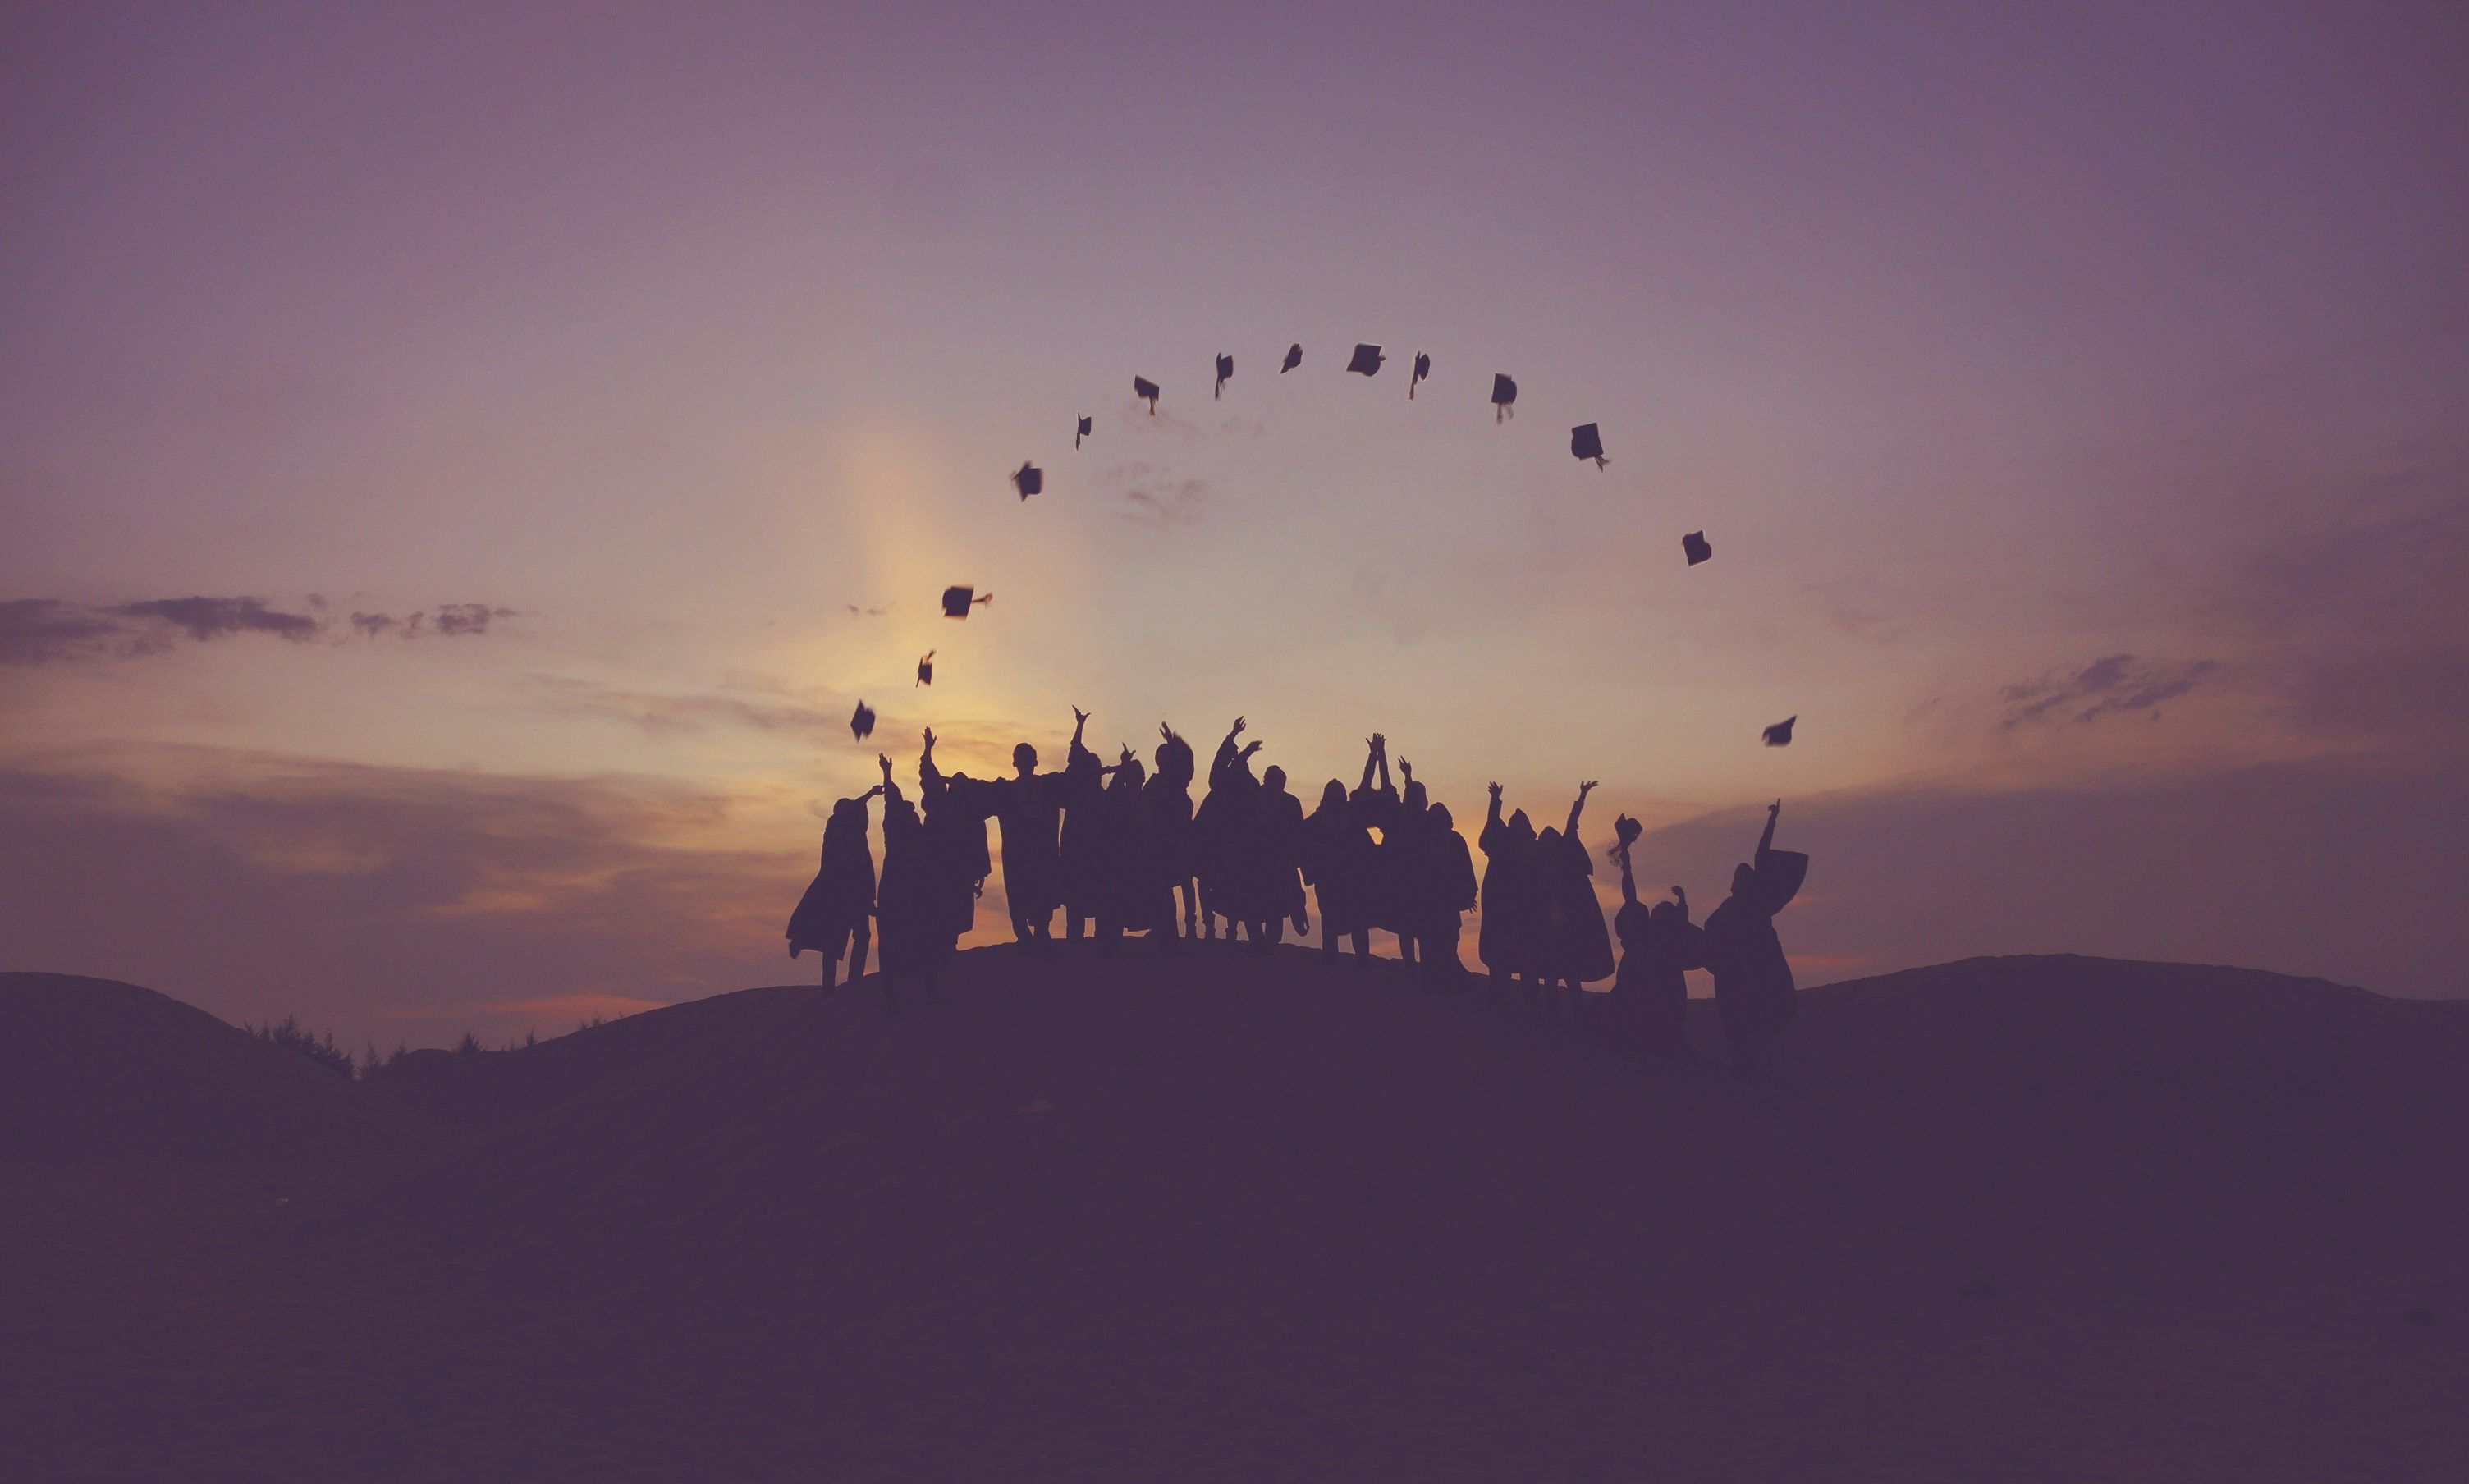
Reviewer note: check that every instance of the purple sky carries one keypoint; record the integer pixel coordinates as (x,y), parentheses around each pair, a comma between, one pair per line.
(2077,400)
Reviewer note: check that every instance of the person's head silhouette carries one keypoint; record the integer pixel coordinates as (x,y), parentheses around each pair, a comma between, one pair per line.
(1275,779)
(1025,757)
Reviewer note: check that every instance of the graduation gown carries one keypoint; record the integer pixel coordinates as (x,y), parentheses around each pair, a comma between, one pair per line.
(1030,813)
(1651,993)
(912,915)
(1512,903)
(840,898)
(1753,985)
(1336,858)
(1574,943)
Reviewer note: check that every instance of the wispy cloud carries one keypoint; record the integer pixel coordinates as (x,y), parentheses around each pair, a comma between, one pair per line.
(1152,496)
(50,631)
(660,712)
(2110,685)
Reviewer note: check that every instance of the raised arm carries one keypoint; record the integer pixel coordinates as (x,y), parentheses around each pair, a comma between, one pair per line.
(889,790)
(1380,754)
(1682,897)
(1223,764)
(930,778)
(1492,818)
(1628,881)
(1765,841)
(1371,755)
(1578,807)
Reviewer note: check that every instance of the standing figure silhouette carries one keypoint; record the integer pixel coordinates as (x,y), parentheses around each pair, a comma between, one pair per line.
(1576,948)
(832,918)
(1222,831)
(1403,866)
(956,841)
(1650,1000)
(913,908)
(1028,806)
(1443,890)
(1277,851)
(1753,986)
(1512,939)
(1136,898)
(1169,794)
(1337,857)
(1374,806)
(1080,859)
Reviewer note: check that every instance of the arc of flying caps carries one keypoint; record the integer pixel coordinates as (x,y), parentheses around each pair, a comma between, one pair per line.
(1422,369)
(1587,441)
(1225,374)
(862,725)
(925,670)
(1029,479)
(1294,358)
(1366,361)
(957,601)
(1694,546)
(1146,389)
(1082,431)
(1779,733)
(1504,396)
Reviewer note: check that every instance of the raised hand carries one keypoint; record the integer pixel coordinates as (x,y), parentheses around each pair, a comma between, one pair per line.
(1236,730)
(930,739)
(1495,791)
(1406,767)
(1774,808)
(884,761)
(1585,788)
(1079,717)
(1166,734)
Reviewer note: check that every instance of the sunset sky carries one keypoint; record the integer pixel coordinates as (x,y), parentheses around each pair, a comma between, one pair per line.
(2076,398)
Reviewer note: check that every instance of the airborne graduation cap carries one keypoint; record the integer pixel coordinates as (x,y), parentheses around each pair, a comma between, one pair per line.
(1080,432)
(1504,397)
(862,725)
(1146,389)
(925,670)
(1695,544)
(1225,374)
(958,600)
(1585,441)
(1422,369)
(1365,361)
(1779,733)
(1029,479)
(1294,358)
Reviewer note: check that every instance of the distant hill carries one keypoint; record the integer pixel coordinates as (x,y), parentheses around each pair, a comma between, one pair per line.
(92,1068)
(1219,1216)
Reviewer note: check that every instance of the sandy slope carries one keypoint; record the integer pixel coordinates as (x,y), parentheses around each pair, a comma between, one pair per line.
(1290,1223)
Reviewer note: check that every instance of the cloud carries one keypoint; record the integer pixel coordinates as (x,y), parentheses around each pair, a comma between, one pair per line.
(1153,496)
(866,612)
(2110,685)
(48,631)
(657,712)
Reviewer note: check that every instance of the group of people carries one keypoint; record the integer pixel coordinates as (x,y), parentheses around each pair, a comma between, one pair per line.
(1119,848)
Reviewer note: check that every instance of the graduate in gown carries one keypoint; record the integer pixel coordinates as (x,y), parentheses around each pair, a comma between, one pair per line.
(1753,985)
(1277,851)
(1650,999)
(1080,860)
(1374,806)
(1137,897)
(1402,866)
(1336,855)
(833,916)
(1171,813)
(1444,889)
(911,909)
(1028,806)
(1223,831)
(1511,942)
(957,810)
(1576,947)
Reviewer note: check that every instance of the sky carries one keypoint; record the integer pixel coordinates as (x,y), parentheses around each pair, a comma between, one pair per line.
(461,465)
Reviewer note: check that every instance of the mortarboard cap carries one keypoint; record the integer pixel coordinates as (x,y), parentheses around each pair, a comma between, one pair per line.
(1695,544)
(1225,373)
(1029,479)
(1422,369)
(862,725)
(1365,361)
(1294,359)
(1779,733)
(1585,441)
(1143,388)
(1080,432)
(958,600)
(925,669)
(1504,397)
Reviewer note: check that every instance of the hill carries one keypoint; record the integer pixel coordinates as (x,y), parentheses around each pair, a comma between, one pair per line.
(92,1068)
(1215,1216)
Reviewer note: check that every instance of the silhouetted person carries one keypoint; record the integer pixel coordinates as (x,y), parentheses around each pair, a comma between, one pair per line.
(957,808)
(1337,856)
(1170,814)
(1445,888)
(1650,999)
(1753,985)
(1576,948)
(1510,941)
(1401,863)
(1137,898)
(1277,852)
(1081,858)
(833,916)
(1374,806)
(1029,808)
(1222,830)
(911,909)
